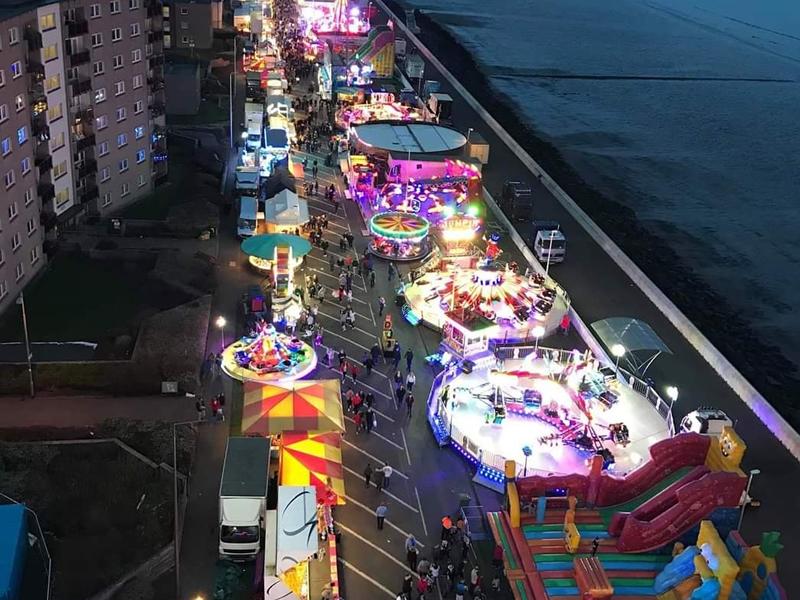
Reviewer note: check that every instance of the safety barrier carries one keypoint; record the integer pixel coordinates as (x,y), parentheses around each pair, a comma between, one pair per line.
(773,420)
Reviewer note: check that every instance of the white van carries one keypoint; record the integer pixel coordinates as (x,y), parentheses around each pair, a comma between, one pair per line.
(550,246)
(708,421)
(247,225)
(247,180)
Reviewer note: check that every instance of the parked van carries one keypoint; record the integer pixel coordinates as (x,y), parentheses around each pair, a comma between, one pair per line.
(247,225)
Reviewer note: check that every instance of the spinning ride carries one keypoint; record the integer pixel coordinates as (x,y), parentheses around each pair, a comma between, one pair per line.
(399,236)
(268,356)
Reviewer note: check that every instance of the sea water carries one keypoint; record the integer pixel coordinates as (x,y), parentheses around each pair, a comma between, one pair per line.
(688,111)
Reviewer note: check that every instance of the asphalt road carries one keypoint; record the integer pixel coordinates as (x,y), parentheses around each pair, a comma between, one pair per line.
(599,289)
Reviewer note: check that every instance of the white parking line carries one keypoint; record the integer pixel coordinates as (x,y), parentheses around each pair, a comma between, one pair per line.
(421,514)
(375,433)
(405,446)
(357,571)
(338,320)
(387,492)
(375,458)
(347,340)
(375,546)
(387,521)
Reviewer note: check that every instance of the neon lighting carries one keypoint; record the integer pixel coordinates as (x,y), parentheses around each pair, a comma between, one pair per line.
(399,226)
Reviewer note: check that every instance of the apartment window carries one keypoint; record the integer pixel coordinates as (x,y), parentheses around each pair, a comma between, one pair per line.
(99,67)
(31,226)
(57,141)
(116,34)
(34,255)
(25,166)
(106,199)
(136,30)
(185,26)
(2,262)
(3,112)
(94,11)
(185,39)
(52,83)
(13,36)
(12,211)
(54,113)
(114,7)
(50,52)
(102,122)
(102,148)
(119,88)
(117,62)
(123,165)
(140,156)
(184,10)
(3,289)
(138,81)
(138,132)
(122,140)
(19,102)
(138,107)
(16,69)
(16,242)
(47,22)
(97,40)
(9,179)
(142,180)
(136,55)
(122,114)
(2,77)
(99,95)
(105,174)
(22,135)
(126,189)
(59,170)
(5,145)
(133,4)
(20,271)
(167,41)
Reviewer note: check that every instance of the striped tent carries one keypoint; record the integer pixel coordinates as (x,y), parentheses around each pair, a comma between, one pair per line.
(270,409)
(314,458)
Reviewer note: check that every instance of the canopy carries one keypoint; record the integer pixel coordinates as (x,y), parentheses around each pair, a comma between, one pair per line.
(297,525)
(314,458)
(300,406)
(286,209)
(634,336)
(263,246)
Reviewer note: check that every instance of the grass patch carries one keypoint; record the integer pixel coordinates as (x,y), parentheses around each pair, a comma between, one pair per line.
(156,205)
(210,111)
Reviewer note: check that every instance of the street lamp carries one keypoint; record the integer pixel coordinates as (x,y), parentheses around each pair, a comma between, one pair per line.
(230,102)
(747,499)
(537,332)
(469,132)
(220,322)
(549,253)
(618,350)
(28,354)
(672,394)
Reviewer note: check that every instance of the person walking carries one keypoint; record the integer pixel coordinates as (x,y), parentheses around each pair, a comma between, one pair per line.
(381,305)
(397,355)
(369,419)
(372,279)
(400,395)
(387,474)
(564,325)
(412,551)
(411,379)
(375,351)
(368,364)
(408,581)
(329,357)
(380,513)
(354,372)
(391,271)
(379,479)
(409,404)
(409,359)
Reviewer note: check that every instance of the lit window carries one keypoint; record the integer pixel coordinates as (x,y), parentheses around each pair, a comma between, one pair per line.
(136,55)
(99,95)
(62,197)
(102,122)
(140,156)
(122,114)
(102,148)
(22,135)
(119,88)
(138,107)
(106,199)
(47,22)
(5,145)
(138,81)
(122,140)
(50,52)
(54,113)
(13,36)
(25,165)
(138,132)
(126,189)
(136,30)
(16,69)
(59,170)
(19,102)
(116,34)
(117,61)
(97,40)
(52,83)
(94,11)
(57,141)
(105,174)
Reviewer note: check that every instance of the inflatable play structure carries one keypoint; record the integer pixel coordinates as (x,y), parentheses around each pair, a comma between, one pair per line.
(599,536)
(377,51)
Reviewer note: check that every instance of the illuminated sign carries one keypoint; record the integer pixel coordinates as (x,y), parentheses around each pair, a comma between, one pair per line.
(460,228)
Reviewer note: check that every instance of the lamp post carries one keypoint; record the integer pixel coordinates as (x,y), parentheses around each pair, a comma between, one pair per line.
(230,102)
(28,355)
(672,394)
(618,350)
(469,133)
(753,473)
(220,322)
(537,332)
(549,253)
(526,450)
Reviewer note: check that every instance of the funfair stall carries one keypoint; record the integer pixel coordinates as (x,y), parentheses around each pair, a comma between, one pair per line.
(399,236)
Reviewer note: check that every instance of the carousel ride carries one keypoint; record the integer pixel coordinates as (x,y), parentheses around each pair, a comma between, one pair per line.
(399,236)
(268,356)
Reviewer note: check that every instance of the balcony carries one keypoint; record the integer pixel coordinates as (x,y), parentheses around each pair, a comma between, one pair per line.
(46,192)
(35,68)
(154,36)
(39,127)
(88,167)
(156,60)
(85,142)
(81,86)
(155,83)
(154,8)
(89,194)
(37,100)
(33,37)
(47,220)
(77,27)
(157,109)
(79,58)
(44,164)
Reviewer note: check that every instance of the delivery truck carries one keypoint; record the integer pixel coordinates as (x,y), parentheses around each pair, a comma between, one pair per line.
(243,498)
(254,123)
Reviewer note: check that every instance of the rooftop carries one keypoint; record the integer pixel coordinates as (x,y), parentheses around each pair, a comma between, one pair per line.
(414,138)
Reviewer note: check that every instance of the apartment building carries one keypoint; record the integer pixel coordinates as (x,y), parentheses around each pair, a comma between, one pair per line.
(82,119)
(191,23)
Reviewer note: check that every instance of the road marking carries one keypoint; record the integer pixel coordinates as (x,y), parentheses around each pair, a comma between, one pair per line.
(421,514)
(387,492)
(386,521)
(338,320)
(375,433)
(405,446)
(341,337)
(367,577)
(375,458)
(371,312)
(378,548)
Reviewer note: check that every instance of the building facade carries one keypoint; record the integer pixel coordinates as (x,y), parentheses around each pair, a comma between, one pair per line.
(83,82)
(191,23)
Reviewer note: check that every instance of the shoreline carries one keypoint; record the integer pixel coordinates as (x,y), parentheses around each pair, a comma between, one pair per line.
(764,365)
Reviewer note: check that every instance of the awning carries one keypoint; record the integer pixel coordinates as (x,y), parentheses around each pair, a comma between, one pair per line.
(634,336)
(263,246)
(297,525)
(314,458)
(287,209)
(313,405)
